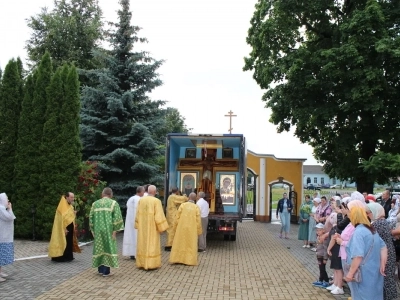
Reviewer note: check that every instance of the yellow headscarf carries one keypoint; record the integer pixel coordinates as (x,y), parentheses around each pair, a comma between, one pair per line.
(359,216)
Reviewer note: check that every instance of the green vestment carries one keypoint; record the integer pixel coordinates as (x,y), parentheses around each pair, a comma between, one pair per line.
(105,217)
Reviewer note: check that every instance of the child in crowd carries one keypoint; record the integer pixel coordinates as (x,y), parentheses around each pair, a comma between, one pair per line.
(322,257)
(336,264)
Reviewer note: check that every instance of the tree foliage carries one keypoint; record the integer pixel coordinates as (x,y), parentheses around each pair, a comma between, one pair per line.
(23,186)
(384,166)
(11,92)
(117,112)
(69,33)
(48,155)
(173,121)
(331,69)
(60,148)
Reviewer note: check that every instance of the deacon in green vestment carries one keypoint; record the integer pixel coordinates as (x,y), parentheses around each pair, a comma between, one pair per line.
(105,220)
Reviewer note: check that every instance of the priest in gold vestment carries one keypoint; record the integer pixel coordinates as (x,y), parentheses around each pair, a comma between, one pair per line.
(150,222)
(63,240)
(173,202)
(187,228)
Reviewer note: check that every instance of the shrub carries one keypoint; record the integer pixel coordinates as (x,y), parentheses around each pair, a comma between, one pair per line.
(88,190)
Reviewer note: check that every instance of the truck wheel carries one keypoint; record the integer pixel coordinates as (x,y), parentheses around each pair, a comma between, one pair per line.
(226,237)
(233,237)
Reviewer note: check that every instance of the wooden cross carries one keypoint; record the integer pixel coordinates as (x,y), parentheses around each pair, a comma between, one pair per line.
(230,115)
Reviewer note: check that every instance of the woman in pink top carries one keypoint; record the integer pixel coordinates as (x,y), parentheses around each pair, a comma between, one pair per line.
(343,239)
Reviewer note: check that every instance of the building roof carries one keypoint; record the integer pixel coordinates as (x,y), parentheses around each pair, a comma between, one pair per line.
(313,169)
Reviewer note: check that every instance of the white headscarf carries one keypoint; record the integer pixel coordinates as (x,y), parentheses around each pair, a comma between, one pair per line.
(346,200)
(357,196)
(392,215)
(3,200)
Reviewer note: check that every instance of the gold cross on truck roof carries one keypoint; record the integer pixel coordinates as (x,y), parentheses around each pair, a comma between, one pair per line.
(230,115)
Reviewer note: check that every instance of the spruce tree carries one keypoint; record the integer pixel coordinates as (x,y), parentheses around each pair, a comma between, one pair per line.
(10,107)
(117,112)
(25,192)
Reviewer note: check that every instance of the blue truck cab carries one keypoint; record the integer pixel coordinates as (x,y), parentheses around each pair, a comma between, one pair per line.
(214,164)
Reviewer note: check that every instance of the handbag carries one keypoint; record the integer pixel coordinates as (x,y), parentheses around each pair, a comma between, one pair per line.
(357,273)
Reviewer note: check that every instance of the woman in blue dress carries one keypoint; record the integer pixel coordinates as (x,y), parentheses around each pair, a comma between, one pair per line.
(284,209)
(367,251)
(304,220)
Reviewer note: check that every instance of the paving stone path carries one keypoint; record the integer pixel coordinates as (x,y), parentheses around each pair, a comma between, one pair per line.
(258,265)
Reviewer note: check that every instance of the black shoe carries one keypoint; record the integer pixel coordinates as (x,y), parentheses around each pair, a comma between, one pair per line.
(167,248)
(132,257)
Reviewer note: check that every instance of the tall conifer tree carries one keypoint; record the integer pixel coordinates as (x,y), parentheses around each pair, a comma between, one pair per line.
(60,147)
(10,107)
(24,191)
(30,158)
(117,112)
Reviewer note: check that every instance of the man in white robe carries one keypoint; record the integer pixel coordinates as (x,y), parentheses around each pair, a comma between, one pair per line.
(129,244)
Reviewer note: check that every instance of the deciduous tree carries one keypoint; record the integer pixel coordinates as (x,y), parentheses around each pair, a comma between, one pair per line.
(69,32)
(331,69)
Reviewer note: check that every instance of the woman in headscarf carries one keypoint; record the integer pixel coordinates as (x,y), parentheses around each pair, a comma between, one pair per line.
(304,220)
(367,252)
(312,234)
(392,215)
(357,196)
(376,213)
(323,211)
(6,234)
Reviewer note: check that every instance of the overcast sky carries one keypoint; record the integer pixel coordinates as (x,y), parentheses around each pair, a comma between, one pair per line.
(203,43)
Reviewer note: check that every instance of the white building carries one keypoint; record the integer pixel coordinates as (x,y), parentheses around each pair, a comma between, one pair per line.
(314,174)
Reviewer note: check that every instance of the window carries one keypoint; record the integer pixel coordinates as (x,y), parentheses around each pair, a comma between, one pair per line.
(315,179)
(308,180)
(334,180)
(322,180)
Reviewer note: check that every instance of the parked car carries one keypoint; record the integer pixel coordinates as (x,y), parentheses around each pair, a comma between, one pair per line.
(313,187)
(326,186)
(335,186)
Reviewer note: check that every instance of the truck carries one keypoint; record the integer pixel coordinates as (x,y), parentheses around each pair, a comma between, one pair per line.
(216,165)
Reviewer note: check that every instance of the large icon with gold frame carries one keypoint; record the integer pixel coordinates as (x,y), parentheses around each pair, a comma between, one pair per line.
(188,182)
(227,184)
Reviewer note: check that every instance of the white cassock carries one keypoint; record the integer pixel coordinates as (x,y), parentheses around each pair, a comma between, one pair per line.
(129,244)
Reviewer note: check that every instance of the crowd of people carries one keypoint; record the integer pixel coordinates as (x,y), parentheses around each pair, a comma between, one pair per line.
(359,237)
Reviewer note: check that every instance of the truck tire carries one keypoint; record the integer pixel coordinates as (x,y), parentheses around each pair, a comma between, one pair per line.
(233,237)
(226,237)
